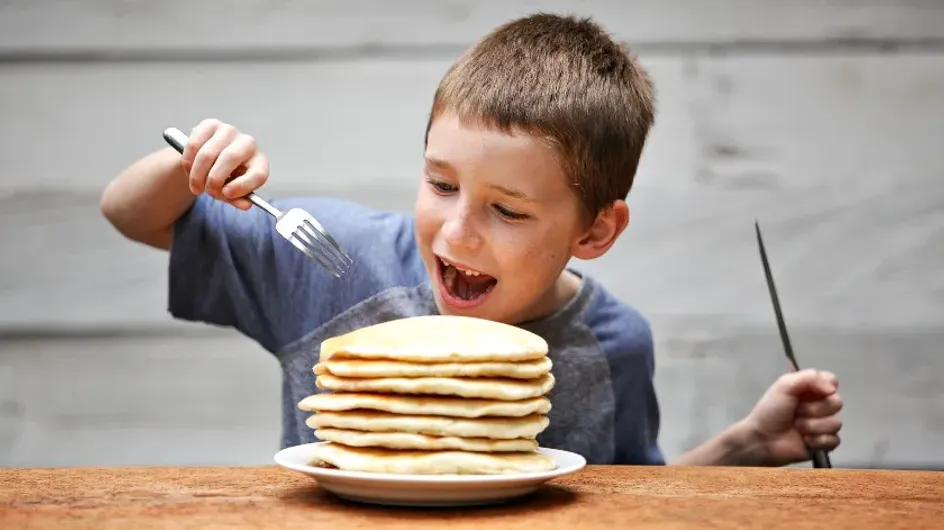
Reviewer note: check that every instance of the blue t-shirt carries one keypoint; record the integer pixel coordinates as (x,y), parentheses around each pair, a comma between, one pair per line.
(230,268)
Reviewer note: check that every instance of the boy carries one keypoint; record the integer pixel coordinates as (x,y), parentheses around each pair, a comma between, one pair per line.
(531,148)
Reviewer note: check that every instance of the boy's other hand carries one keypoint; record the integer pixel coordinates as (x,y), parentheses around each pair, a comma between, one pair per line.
(800,409)
(224,163)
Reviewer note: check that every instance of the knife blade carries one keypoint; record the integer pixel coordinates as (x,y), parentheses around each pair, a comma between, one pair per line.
(820,458)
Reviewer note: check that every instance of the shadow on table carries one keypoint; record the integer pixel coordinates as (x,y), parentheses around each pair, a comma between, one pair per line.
(548,497)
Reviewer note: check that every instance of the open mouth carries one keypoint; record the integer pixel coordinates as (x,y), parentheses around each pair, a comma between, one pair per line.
(463,287)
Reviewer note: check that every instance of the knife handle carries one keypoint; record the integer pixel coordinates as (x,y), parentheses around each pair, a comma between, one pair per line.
(821,459)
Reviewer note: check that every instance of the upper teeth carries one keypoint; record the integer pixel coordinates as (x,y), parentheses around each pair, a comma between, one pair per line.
(464,271)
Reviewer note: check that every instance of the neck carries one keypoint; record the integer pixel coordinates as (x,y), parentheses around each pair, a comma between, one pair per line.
(563,291)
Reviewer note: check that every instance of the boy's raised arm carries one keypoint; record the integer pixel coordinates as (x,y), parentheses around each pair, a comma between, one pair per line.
(148,197)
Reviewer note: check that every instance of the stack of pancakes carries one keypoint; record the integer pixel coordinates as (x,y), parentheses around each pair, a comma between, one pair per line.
(432,395)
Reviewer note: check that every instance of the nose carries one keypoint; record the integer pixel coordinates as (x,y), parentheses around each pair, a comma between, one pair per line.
(461,231)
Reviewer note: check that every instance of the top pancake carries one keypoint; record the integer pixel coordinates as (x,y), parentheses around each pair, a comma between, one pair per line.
(437,339)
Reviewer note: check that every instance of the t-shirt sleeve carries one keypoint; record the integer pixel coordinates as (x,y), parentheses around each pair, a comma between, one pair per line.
(229,267)
(637,410)
(627,337)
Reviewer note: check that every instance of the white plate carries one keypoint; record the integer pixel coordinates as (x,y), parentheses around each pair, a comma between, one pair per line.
(426,490)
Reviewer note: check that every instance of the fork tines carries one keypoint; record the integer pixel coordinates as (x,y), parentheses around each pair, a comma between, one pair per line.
(321,247)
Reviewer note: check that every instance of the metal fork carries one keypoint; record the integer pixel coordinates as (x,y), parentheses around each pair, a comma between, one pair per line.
(295,225)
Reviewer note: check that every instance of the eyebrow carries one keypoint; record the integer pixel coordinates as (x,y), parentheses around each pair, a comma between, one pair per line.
(446,166)
(439,164)
(511,193)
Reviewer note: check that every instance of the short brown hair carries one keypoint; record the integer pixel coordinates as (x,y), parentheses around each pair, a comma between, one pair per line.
(564,79)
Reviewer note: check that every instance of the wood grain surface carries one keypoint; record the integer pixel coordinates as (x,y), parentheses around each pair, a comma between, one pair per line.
(597,497)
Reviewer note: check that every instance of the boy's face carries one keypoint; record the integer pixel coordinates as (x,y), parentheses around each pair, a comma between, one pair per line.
(496,222)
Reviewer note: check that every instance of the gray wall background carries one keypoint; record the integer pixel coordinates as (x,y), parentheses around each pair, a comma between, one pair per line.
(822,119)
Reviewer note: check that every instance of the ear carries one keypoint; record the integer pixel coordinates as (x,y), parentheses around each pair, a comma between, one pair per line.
(601,235)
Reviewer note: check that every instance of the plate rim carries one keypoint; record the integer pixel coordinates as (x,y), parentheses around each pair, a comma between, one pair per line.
(580,463)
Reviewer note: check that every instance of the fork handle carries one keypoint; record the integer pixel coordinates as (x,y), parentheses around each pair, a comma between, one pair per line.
(178,140)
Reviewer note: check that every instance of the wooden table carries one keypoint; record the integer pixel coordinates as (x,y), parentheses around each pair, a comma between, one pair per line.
(597,497)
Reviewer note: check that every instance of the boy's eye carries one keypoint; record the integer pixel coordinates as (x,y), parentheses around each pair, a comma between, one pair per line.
(443,187)
(505,212)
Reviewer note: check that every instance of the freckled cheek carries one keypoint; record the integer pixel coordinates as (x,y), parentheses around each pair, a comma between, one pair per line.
(531,262)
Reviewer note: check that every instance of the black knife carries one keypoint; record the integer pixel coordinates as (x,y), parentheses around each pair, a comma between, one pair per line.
(820,457)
